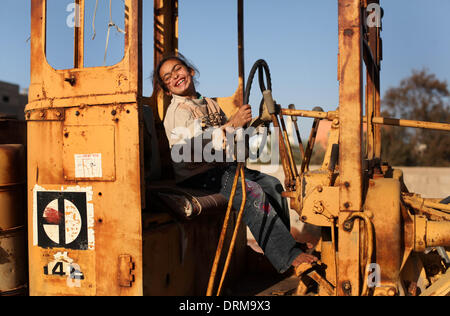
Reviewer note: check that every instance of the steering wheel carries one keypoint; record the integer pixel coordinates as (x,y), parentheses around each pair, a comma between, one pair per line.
(263,118)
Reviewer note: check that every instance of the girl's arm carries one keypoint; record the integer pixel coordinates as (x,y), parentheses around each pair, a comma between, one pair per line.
(187,137)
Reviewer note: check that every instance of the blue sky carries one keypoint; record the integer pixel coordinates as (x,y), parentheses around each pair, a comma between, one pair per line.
(298,39)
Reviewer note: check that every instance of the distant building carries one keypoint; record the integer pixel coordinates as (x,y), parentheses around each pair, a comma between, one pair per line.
(12,101)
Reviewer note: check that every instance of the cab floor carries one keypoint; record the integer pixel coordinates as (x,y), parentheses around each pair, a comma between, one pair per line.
(261,279)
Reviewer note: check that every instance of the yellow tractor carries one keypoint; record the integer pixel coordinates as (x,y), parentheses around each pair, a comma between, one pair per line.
(105,217)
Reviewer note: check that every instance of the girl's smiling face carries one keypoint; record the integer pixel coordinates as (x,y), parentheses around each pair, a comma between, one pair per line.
(177,78)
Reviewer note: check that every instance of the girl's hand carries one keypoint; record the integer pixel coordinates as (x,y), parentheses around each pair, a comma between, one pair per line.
(242,117)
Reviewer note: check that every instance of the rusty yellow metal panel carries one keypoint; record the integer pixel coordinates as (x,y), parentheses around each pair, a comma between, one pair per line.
(116,204)
(350,142)
(84,169)
(89,152)
(383,203)
(63,272)
(84,85)
(320,206)
(350,105)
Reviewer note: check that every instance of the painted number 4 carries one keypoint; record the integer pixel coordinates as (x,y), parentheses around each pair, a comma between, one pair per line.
(74,271)
(64,266)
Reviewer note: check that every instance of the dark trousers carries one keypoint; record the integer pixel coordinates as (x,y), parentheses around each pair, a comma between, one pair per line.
(266,212)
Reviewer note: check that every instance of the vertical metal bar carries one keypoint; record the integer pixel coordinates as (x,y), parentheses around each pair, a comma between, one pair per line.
(212,276)
(139,44)
(289,177)
(370,108)
(297,132)
(165,29)
(288,180)
(139,87)
(333,240)
(350,142)
(236,227)
(375,42)
(373,93)
(165,41)
(37,42)
(288,148)
(62,228)
(368,154)
(79,34)
(350,105)
(310,145)
(241,67)
(299,139)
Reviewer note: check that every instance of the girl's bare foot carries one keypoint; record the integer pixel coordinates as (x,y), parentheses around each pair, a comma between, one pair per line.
(304,258)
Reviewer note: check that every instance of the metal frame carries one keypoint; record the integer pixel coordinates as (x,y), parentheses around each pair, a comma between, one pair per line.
(72,111)
(349,203)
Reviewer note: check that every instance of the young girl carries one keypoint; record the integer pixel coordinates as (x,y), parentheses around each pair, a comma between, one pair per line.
(189,115)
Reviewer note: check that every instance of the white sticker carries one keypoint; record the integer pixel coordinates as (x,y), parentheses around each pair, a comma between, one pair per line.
(63,218)
(64,266)
(88,165)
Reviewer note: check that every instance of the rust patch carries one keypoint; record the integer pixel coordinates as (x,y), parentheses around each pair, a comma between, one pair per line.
(348,32)
(4,256)
(52,216)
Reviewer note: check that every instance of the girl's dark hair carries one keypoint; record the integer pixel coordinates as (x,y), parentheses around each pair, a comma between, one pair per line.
(157,80)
